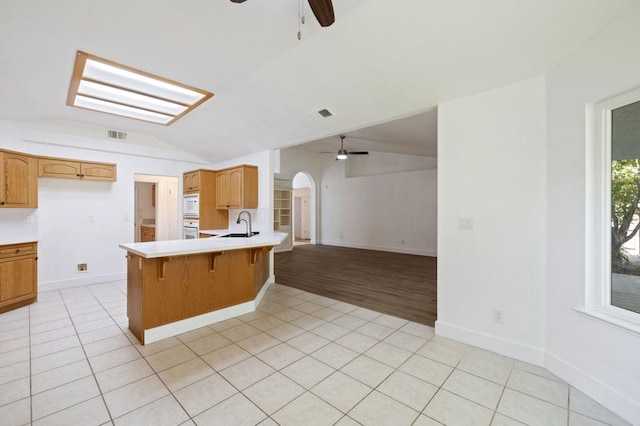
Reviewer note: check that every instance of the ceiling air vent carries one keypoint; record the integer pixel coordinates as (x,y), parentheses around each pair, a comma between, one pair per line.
(115,134)
(320,114)
(325,113)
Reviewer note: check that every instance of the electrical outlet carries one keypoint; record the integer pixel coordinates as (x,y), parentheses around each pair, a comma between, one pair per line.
(82,267)
(498,316)
(465,223)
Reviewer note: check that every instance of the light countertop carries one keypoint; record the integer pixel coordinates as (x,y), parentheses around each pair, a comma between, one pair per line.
(20,240)
(154,249)
(214,232)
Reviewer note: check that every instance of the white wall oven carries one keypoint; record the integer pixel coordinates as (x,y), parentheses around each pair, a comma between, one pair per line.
(191,229)
(191,206)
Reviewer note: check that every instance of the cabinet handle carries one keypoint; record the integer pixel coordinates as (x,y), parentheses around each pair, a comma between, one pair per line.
(17,250)
(81,175)
(1,203)
(78,174)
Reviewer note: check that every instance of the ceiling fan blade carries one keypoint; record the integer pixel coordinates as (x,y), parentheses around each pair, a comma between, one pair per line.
(323,10)
(358,153)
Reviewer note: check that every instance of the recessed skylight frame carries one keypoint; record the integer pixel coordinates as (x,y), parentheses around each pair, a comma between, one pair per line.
(101,85)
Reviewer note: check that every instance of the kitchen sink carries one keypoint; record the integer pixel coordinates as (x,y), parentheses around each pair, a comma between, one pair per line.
(239,235)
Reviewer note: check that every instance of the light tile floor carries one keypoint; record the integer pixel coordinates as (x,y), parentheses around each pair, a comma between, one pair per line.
(301,359)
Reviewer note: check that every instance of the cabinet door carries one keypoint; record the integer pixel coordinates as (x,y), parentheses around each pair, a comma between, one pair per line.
(147,234)
(17,279)
(249,193)
(59,168)
(96,171)
(222,191)
(235,189)
(191,182)
(18,180)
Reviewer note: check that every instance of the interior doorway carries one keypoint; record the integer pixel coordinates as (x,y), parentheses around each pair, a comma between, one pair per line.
(303,209)
(156,207)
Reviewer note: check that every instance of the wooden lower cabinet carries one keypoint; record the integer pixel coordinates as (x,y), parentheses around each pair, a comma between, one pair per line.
(169,289)
(147,233)
(18,275)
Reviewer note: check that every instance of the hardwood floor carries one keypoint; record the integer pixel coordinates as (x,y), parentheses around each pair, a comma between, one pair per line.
(396,284)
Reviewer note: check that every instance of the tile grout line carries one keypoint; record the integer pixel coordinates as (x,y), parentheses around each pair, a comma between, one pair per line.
(145,360)
(30,374)
(93,373)
(358,355)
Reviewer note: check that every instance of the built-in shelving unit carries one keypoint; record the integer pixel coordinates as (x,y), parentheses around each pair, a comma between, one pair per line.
(282,211)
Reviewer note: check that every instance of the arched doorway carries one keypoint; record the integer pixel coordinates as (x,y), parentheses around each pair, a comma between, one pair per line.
(304,209)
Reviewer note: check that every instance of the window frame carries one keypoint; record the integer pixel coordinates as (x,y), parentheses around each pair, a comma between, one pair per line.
(598,244)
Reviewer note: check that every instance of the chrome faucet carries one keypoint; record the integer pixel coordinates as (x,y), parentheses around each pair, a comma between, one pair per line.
(248,222)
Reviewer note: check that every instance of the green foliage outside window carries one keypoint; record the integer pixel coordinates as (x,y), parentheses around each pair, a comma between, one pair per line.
(625,197)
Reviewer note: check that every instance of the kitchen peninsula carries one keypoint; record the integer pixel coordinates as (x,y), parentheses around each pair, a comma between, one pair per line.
(179,285)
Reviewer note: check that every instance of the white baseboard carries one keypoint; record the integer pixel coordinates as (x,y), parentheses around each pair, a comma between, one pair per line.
(594,388)
(502,346)
(178,327)
(80,281)
(418,252)
(263,291)
(581,380)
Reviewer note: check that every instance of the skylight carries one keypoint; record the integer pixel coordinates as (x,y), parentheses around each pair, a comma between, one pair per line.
(105,86)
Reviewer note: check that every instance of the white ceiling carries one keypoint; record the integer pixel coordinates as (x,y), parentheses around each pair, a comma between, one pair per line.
(381,60)
(413,135)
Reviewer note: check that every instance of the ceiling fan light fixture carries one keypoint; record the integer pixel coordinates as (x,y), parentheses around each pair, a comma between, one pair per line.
(342,154)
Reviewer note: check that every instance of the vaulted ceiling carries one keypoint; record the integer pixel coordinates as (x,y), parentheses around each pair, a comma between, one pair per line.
(381,60)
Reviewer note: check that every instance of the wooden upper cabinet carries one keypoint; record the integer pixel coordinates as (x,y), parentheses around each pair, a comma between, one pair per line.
(18,180)
(222,190)
(203,183)
(237,188)
(191,181)
(98,171)
(58,168)
(69,169)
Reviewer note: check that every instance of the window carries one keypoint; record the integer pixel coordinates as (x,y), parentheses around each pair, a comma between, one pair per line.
(105,86)
(613,291)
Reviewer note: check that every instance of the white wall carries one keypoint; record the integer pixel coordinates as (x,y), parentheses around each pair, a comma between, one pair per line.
(601,360)
(391,212)
(292,161)
(491,167)
(529,193)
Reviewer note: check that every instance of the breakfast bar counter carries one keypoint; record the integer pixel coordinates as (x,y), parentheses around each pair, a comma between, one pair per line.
(179,285)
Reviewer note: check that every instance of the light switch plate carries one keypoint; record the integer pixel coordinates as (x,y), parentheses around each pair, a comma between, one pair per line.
(465,223)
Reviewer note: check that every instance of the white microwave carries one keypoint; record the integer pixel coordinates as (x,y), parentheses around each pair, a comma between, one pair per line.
(190,207)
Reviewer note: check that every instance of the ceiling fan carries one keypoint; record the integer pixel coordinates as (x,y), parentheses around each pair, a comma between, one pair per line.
(322,9)
(342,153)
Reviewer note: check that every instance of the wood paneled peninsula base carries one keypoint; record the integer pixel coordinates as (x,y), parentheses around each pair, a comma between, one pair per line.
(181,285)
